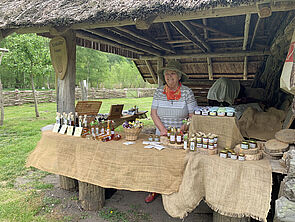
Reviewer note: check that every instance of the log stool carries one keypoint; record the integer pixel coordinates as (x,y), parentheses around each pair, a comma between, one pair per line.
(92,197)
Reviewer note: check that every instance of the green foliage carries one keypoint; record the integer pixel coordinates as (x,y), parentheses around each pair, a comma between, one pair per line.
(29,55)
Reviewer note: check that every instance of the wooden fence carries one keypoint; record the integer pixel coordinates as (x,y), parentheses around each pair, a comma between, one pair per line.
(19,97)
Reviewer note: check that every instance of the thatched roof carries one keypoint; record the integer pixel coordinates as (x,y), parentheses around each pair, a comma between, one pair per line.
(24,13)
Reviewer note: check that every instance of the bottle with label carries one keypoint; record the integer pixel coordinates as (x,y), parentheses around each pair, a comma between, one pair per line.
(85,127)
(72,120)
(185,141)
(76,119)
(80,121)
(57,118)
(96,123)
(102,129)
(169,132)
(172,136)
(92,127)
(65,119)
(112,129)
(178,136)
(192,144)
(69,118)
(108,128)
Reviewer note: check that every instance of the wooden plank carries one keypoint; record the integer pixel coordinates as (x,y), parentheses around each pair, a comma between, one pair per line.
(246,31)
(245,75)
(148,63)
(211,55)
(126,42)
(204,20)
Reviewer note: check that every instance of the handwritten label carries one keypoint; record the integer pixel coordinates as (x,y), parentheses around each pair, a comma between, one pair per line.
(70,130)
(56,128)
(63,129)
(78,131)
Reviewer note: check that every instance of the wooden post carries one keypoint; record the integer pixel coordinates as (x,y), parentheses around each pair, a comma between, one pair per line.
(160,65)
(245,74)
(220,218)
(210,68)
(65,97)
(92,197)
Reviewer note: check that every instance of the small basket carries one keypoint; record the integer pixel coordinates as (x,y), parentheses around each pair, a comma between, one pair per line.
(131,134)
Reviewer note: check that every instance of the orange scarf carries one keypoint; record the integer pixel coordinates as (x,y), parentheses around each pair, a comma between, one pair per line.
(172,95)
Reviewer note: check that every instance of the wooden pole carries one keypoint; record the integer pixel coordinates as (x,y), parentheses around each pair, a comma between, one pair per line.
(183,31)
(148,64)
(147,38)
(246,30)
(205,28)
(126,42)
(167,30)
(160,65)
(190,28)
(66,95)
(245,75)
(210,68)
(254,34)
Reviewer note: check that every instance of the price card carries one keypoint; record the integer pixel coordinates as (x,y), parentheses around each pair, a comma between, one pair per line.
(63,129)
(78,131)
(56,128)
(70,130)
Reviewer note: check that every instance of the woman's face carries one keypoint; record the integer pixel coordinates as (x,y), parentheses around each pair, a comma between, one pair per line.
(171,79)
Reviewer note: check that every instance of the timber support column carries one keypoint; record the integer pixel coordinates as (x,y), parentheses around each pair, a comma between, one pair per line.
(66,95)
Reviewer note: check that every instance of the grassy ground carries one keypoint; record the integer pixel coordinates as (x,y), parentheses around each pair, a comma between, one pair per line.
(18,137)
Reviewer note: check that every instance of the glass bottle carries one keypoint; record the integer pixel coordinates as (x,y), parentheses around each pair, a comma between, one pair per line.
(76,119)
(169,132)
(178,136)
(57,118)
(92,127)
(108,128)
(172,136)
(102,129)
(112,129)
(185,141)
(192,144)
(80,121)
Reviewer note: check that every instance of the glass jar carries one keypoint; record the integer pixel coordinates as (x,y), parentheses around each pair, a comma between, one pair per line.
(223,154)
(252,144)
(234,156)
(241,157)
(157,138)
(151,138)
(244,145)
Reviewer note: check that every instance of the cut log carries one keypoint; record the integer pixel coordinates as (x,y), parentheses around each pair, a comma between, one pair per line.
(275,146)
(68,183)
(286,136)
(92,197)
(220,218)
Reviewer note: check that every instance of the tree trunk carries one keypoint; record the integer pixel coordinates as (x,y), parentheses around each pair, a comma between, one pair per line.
(92,197)
(34,97)
(1,105)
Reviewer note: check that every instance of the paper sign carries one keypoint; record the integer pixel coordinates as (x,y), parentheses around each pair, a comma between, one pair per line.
(70,130)
(63,129)
(56,128)
(78,131)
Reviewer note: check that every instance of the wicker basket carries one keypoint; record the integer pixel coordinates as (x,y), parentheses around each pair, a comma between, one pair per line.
(131,134)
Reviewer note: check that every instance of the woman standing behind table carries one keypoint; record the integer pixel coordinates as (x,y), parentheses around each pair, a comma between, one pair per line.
(172,103)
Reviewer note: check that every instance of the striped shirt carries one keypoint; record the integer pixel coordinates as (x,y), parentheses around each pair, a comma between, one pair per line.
(173,112)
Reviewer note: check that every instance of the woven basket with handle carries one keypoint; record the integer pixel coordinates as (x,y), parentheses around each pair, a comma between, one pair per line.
(131,134)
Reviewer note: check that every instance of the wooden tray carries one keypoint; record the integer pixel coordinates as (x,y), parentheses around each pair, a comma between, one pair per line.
(275,146)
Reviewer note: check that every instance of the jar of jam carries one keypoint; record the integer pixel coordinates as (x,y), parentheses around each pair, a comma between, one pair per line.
(229,152)
(234,156)
(210,147)
(245,145)
(211,140)
(241,157)
(215,138)
(252,144)
(157,138)
(199,145)
(205,146)
(151,138)
(199,138)
(205,139)
(223,154)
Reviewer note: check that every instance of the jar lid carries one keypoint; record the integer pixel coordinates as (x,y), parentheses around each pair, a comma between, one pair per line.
(223,151)
(245,142)
(241,154)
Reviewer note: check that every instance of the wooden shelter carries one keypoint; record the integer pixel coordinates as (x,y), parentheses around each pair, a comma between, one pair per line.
(211,38)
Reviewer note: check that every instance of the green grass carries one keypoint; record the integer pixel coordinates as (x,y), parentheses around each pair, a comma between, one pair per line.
(18,137)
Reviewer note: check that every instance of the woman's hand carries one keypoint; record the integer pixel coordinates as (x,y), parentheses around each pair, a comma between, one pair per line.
(163,132)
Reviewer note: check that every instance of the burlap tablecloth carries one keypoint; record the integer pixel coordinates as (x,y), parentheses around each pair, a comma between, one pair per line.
(110,164)
(230,187)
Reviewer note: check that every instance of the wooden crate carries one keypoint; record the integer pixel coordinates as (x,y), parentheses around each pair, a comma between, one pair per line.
(89,108)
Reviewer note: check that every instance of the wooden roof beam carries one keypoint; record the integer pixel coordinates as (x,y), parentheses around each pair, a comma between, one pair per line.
(154,76)
(167,30)
(204,20)
(205,27)
(95,38)
(210,68)
(211,55)
(182,30)
(147,38)
(246,31)
(254,33)
(126,42)
(190,28)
